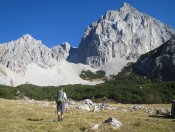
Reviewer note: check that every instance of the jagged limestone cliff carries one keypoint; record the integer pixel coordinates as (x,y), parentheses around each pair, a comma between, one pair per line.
(16,55)
(122,34)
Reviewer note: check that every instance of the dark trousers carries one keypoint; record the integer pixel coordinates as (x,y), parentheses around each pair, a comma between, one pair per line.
(61,107)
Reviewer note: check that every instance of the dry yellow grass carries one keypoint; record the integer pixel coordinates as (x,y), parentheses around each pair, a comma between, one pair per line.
(16,116)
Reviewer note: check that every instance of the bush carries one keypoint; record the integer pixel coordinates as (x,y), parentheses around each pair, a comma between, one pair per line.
(89,75)
(126,87)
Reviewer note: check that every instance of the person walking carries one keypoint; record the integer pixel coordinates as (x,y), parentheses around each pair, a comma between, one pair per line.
(61,99)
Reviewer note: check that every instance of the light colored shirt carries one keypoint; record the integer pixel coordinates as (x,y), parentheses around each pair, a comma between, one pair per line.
(65,97)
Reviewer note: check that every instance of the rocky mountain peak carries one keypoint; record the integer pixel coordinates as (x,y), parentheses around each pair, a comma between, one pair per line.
(28,39)
(122,34)
(66,46)
(27,36)
(18,54)
(126,6)
(124,12)
(61,51)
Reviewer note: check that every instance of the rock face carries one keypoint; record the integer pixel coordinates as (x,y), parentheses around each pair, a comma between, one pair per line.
(110,43)
(125,33)
(61,52)
(28,61)
(16,55)
(159,63)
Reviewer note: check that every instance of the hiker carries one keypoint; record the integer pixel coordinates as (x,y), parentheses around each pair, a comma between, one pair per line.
(61,99)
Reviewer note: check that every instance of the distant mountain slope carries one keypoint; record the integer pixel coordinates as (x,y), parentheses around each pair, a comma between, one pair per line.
(109,44)
(27,60)
(16,55)
(159,63)
(122,34)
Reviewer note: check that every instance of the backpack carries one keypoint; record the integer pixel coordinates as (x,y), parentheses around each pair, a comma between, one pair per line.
(60,97)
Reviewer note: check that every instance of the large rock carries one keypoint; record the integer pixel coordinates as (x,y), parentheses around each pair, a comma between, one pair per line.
(102,106)
(137,107)
(114,122)
(83,107)
(88,102)
(162,111)
(158,63)
(122,34)
(96,109)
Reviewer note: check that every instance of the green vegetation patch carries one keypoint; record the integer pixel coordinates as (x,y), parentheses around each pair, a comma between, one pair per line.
(126,87)
(89,75)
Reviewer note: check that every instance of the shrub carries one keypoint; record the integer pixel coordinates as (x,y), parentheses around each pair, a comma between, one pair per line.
(126,87)
(89,75)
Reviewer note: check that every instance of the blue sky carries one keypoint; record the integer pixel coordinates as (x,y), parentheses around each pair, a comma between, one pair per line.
(57,21)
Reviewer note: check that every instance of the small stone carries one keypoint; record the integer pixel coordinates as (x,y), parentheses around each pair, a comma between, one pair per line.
(95,126)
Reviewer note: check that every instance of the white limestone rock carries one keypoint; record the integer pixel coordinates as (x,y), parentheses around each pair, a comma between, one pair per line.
(122,34)
(138,107)
(61,52)
(162,111)
(95,127)
(114,122)
(88,102)
(96,109)
(16,55)
(83,107)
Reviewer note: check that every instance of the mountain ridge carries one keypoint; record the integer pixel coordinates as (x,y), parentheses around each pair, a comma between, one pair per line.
(117,38)
(125,33)
(19,53)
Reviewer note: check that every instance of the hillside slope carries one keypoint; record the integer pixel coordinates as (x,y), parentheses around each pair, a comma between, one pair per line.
(159,63)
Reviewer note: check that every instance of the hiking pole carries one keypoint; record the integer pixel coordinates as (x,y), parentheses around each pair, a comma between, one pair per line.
(55,113)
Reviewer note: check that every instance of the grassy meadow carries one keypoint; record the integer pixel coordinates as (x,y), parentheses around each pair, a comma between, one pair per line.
(22,116)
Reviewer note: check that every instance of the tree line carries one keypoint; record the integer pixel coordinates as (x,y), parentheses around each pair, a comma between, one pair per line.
(126,87)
